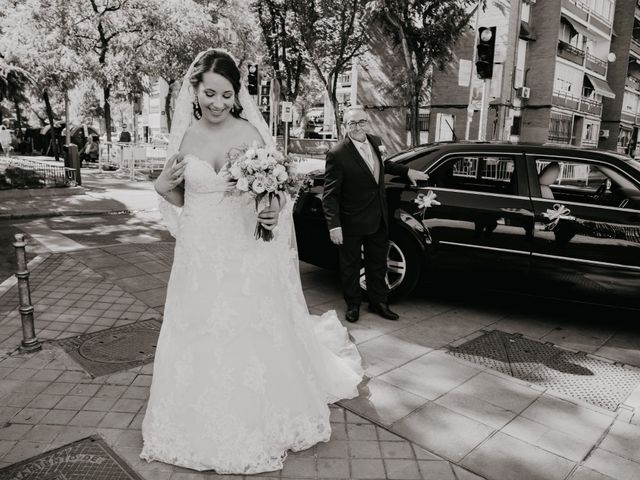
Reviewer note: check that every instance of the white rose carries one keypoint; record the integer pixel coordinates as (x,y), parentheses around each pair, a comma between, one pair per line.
(243,184)
(278,169)
(282,177)
(235,171)
(258,185)
(250,153)
(262,154)
(271,184)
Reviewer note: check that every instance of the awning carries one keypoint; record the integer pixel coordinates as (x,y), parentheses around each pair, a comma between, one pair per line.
(601,86)
(581,29)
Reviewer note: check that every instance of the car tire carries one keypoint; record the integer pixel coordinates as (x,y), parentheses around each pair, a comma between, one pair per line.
(403,262)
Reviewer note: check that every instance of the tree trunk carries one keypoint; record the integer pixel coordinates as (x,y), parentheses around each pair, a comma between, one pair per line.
(167,105)
(107,111)
(414,116)
(52,133)
(18,119)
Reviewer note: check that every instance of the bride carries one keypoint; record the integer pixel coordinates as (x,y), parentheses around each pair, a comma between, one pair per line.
(243,373)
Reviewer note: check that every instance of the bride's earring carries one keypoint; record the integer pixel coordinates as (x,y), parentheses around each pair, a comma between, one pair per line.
(197,111)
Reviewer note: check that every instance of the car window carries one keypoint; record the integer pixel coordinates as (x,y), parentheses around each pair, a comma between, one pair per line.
(491,174)
(586,182)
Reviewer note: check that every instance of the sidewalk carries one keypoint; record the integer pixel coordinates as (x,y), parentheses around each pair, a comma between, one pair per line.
(47,400)
(430,410)
(107,192)
(424,413)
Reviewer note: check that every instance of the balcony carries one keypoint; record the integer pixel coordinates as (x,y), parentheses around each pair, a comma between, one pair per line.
(595,64)
(578,104)
(632,83)
(578,8)
(592,107)
(571,53)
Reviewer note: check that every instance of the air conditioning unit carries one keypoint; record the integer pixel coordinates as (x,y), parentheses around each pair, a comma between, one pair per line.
(604,133)
(524,92)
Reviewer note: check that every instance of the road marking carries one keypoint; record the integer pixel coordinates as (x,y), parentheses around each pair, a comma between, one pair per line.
(52,240)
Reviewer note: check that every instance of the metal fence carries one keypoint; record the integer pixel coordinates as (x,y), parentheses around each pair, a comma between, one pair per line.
(132,157)
(26,172)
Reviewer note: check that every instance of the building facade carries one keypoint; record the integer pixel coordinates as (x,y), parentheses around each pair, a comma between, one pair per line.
(621,115)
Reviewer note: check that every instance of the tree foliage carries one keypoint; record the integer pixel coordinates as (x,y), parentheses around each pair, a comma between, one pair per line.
(331,35)
(426,31)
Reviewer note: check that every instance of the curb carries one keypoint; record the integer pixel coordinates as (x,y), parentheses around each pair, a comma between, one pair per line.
(64,213)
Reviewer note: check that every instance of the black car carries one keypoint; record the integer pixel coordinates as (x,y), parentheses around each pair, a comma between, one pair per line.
(560,221)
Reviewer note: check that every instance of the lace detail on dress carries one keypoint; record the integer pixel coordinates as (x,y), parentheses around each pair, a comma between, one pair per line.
(242,372)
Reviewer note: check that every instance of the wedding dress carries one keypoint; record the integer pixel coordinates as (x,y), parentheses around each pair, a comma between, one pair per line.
(242,371)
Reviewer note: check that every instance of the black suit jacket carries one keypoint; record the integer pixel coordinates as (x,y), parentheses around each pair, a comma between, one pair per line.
(352,198)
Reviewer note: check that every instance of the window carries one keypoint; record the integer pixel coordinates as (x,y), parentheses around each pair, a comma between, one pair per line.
(563,85)
(516,125)
(491,174)
(423,121)
(584,182)
(560,128)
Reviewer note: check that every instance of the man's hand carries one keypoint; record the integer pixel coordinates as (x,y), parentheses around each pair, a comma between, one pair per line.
(336,236)
(415,176)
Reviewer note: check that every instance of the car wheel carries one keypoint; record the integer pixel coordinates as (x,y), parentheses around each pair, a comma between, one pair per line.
(403,266)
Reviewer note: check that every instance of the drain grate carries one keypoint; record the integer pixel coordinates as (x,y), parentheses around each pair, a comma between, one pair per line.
(577,375)
(88,458)
(114,349)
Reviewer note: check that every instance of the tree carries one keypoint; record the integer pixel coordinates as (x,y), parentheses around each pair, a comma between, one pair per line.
(110,37)
(283,49)
(426,31)
(33,39)
(14,82)
(331,35)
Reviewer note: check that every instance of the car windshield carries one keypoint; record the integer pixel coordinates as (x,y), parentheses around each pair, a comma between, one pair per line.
(417,152)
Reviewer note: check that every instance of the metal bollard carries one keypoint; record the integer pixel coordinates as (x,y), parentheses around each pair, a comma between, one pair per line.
(30,342)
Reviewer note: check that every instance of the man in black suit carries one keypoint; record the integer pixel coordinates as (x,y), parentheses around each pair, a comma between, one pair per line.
(355,207)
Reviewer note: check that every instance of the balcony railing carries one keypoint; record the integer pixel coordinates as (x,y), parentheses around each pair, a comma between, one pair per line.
(595,64)
(578,8)
(635,47)
(633,83)
(571,53)
(579,104)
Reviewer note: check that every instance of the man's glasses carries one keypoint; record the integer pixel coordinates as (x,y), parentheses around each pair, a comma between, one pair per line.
(361,124)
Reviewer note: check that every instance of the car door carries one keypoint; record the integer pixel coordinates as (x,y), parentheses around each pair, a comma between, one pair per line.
(587,229)
(482,226)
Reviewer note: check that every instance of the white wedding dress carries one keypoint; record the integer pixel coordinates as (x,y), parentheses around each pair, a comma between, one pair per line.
(242,371)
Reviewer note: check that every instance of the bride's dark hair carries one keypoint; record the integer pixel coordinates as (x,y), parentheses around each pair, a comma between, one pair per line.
(220,62)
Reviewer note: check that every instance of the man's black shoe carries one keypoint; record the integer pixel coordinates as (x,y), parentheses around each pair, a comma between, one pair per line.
(353,313)
(383,310)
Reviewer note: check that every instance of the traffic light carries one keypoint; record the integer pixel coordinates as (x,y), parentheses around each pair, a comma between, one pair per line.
(485,49)
(252,79)
(265,96)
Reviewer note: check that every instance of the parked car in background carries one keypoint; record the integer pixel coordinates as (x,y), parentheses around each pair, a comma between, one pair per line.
(546,220)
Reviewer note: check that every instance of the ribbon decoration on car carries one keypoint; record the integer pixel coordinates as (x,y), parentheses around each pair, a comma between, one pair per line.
(556,213)
(427,200)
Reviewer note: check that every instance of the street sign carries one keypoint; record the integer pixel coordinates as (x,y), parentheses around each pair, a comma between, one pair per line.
(287,112)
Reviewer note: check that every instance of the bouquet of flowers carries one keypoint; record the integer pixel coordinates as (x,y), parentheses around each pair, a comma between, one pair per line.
(265,173)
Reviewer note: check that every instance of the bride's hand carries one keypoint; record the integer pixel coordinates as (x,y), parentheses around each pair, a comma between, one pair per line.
(172,175)
(268,217)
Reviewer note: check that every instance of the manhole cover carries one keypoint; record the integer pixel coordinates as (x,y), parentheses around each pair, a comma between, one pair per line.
(120,347)
(89,458)
(600,383)
(114,349)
